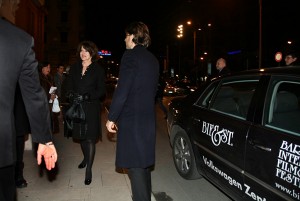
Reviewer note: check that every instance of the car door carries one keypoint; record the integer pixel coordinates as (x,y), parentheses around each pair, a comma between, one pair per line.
(272,160)
(220,130)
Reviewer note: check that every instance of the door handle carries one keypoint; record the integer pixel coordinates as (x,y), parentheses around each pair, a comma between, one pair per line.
(255,145)
(263,148)
(197,120)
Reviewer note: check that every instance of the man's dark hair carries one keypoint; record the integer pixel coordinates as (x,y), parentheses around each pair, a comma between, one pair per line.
(140,32)
(292,53)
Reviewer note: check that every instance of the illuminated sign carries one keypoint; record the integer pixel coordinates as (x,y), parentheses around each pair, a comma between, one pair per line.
(278,56)
(234,52)
(104,53)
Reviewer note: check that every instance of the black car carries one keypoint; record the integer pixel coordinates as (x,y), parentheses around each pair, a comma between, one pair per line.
(242,133)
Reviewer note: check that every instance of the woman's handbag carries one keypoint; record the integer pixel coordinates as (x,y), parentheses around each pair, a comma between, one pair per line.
(75,114)
(55,106)
(67,131)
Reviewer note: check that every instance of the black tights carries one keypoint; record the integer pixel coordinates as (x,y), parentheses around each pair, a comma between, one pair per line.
(88,150)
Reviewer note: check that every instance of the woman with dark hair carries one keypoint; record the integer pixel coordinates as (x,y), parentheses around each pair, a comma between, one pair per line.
(132,111)
(47,82)
(86,84)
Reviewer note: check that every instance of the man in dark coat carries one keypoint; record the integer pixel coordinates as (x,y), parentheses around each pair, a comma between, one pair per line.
(221,67)
(132,111)
(18,65)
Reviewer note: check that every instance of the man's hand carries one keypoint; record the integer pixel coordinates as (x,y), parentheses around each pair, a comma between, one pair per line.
(111,127)
(49,153)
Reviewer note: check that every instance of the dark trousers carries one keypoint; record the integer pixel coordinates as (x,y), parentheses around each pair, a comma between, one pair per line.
(7,183)
(140,179)
(19,162)
(55,122)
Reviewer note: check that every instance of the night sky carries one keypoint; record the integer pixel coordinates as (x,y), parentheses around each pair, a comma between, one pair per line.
(235,24)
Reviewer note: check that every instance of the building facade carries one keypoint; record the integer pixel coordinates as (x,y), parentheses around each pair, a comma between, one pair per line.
(57,26)
(64,29)
(30,17)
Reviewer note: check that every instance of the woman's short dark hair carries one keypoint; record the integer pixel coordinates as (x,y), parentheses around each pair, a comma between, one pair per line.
(90,47)
(42,64)
(140,32)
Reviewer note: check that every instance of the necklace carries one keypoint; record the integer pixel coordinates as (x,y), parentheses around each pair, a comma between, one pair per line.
(85,67)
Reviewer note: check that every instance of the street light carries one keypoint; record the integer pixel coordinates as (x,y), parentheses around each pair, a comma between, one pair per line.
(179,35)
(260,35)
(194,37)
(180,31)
(195,29)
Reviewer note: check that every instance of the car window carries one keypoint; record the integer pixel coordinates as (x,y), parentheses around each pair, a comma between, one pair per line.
(233,98)
(284,108)
(206,96)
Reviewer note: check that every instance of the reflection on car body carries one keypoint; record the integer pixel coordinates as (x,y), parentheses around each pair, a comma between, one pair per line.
(242,133)
(179,88)
(184,88)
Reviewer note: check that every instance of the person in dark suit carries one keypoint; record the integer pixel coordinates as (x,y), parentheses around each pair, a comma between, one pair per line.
(22,129)
(85,83)
(18,65)
(222,67)
(58,79)
(132,111)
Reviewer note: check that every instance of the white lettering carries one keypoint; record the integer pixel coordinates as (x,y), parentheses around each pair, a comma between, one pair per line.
(290,157)
(208,128)
(288,163)
(230,180)
(252,194)
(217,137)
(290,147)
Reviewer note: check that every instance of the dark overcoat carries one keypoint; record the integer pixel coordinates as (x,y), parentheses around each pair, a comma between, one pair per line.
(91,83)
(21,118)
(133,108)
(18,64)
(224,71)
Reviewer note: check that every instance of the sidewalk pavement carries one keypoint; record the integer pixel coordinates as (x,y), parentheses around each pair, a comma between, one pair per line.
(66,182)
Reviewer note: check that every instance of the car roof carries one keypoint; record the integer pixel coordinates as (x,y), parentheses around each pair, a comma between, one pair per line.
(293,70)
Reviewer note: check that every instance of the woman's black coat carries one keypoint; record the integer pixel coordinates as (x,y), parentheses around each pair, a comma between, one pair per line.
(92,84)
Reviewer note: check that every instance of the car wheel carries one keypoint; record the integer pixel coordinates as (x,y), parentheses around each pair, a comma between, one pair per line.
(183,157)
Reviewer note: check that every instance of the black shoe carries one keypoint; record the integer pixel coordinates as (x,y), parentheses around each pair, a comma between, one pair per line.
(88,176)
(82,165)
(21,183)
(87,181)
